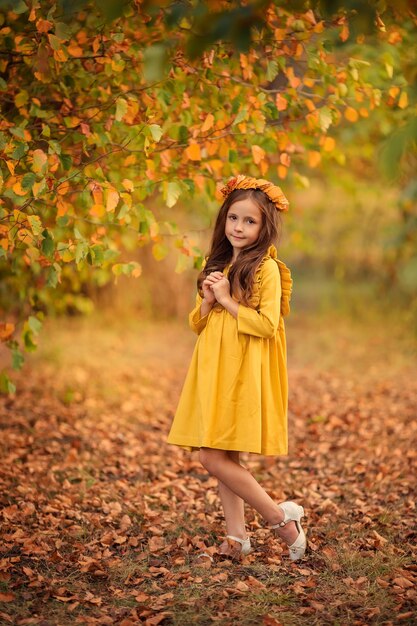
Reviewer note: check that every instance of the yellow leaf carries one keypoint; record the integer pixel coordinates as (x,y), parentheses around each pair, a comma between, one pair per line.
(60,55)
(112,200)
(351,114)
(329,144)
(37,187)
(10,166)
(63,188)
(208,123)
(258,154)
(97,210)
(97,194)
(364,112)
(314,158)
(310,105)
(17,188)
(127,184)
(193,152)
(394,91)
(130,160)
(403,101)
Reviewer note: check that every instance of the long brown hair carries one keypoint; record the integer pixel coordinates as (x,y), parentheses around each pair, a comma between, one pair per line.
(242,272)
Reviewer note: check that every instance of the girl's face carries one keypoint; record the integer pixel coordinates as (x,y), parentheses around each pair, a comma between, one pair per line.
(243,224)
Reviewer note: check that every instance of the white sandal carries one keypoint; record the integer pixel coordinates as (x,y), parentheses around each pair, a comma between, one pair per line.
(246,547)
(293,513)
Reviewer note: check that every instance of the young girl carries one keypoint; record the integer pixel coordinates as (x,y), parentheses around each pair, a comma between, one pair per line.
(235,394)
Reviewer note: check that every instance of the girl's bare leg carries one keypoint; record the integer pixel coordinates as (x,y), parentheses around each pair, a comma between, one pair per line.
(233,506)
(241,482)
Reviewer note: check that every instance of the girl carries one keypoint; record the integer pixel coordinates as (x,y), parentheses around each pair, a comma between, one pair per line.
(235,394)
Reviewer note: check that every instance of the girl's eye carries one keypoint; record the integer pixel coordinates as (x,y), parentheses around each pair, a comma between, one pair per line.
(232,217)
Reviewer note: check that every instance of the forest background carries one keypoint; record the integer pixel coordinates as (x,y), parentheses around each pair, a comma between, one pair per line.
(119,127)
(120,122)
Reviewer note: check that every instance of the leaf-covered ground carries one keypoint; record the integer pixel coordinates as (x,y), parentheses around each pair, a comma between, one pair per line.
(102,520)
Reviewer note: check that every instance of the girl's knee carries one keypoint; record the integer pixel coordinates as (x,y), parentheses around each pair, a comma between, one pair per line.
(210,459)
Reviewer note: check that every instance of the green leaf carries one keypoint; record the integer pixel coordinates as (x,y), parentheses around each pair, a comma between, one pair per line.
(19,7)
(183,263)
(19,151)
(47,246)
(66,161)
(172,192)
(62,221)
(62,31)
(81,251)
(154,62)
(35,224)
(28,179)
(271,70)
(241,116)
(6,385)
(156,131)
(17,359)
(54,275)
(34,324)
(325,118)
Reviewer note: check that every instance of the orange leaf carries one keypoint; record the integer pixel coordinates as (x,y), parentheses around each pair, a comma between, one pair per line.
(63,188)
(258,154)
(285,159)
(6,330)
(351,114)
(193,152)
(281,102)
(282,171)
(208,123)
(329,144)
(314,158)
(344,33)
(17,188)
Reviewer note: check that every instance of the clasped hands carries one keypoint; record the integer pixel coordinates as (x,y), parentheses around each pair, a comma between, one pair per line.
(216,287)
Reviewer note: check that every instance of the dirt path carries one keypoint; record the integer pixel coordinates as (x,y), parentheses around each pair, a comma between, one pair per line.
(101,519)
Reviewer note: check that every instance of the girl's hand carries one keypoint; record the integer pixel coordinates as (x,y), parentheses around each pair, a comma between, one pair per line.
(206,286)
(221,289)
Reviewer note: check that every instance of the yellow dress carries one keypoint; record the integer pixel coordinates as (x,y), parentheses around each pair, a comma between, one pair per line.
(235,394)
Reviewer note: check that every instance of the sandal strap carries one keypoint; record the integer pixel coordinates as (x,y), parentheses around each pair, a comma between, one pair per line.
(206,555)
(238,539)
(280,524)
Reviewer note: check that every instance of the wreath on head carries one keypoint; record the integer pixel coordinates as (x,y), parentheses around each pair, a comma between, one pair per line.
(274,193)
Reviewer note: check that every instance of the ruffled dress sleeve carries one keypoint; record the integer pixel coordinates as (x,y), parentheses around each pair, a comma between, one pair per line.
(273,287)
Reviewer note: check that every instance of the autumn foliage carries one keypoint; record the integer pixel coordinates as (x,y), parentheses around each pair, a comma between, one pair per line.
(102,520)
(108,110)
